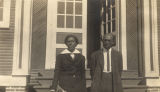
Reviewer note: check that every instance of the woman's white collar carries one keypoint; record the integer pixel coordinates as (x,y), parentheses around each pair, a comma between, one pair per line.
(67,51)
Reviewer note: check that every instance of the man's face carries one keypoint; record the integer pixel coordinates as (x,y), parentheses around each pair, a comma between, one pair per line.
(71,43)
(107,41)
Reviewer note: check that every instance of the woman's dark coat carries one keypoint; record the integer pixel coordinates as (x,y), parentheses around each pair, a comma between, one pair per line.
(70,74)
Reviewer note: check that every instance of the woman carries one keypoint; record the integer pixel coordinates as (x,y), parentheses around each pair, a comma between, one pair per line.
(70,68)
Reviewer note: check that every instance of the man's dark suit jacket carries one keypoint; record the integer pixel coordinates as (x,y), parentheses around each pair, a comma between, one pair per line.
(70,74)
(97,59)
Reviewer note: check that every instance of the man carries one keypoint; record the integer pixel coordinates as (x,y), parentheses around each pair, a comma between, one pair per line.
(106,67)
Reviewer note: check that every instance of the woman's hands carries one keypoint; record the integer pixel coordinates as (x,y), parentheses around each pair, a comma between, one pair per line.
(52,90)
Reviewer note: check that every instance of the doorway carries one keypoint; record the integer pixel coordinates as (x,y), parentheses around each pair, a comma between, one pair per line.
(93,28)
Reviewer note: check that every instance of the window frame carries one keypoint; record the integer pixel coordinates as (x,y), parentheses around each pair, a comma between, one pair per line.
(74,15)
(6,14)
(52,31)
(110,19)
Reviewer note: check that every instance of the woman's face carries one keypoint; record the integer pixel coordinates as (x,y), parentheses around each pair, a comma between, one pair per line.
(71,44)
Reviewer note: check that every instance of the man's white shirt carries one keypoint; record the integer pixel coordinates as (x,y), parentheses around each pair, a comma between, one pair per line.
(105,60)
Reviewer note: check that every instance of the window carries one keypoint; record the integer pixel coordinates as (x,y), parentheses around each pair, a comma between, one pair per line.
(4,13)
(69,14)
(1,10)
(111,19)
(65,17)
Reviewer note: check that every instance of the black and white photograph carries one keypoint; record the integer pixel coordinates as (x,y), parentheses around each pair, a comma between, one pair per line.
(79,45)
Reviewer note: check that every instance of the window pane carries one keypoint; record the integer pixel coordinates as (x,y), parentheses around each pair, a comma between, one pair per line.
(69,21)
(1,14)
(61,7)
(78,21)
(109,27)
(109,3)
(113,26)
(1,3)
(113,12)
(113,2)
(69,8)
(78,8)
(109,14)
(60,21)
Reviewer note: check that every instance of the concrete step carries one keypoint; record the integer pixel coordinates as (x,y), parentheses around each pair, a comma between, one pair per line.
(34,81)
(50,73)
(130,73)
(125,81)
(134,88)
(35,74)
(44,73)
(40,90)
(127,84)
(131,80)
(34,84)
(126,88)
(45,77)
(123,78)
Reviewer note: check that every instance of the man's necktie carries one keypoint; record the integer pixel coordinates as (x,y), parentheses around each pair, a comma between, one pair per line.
(108,63)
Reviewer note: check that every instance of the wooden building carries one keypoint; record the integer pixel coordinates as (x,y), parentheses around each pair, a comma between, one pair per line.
(32,33)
